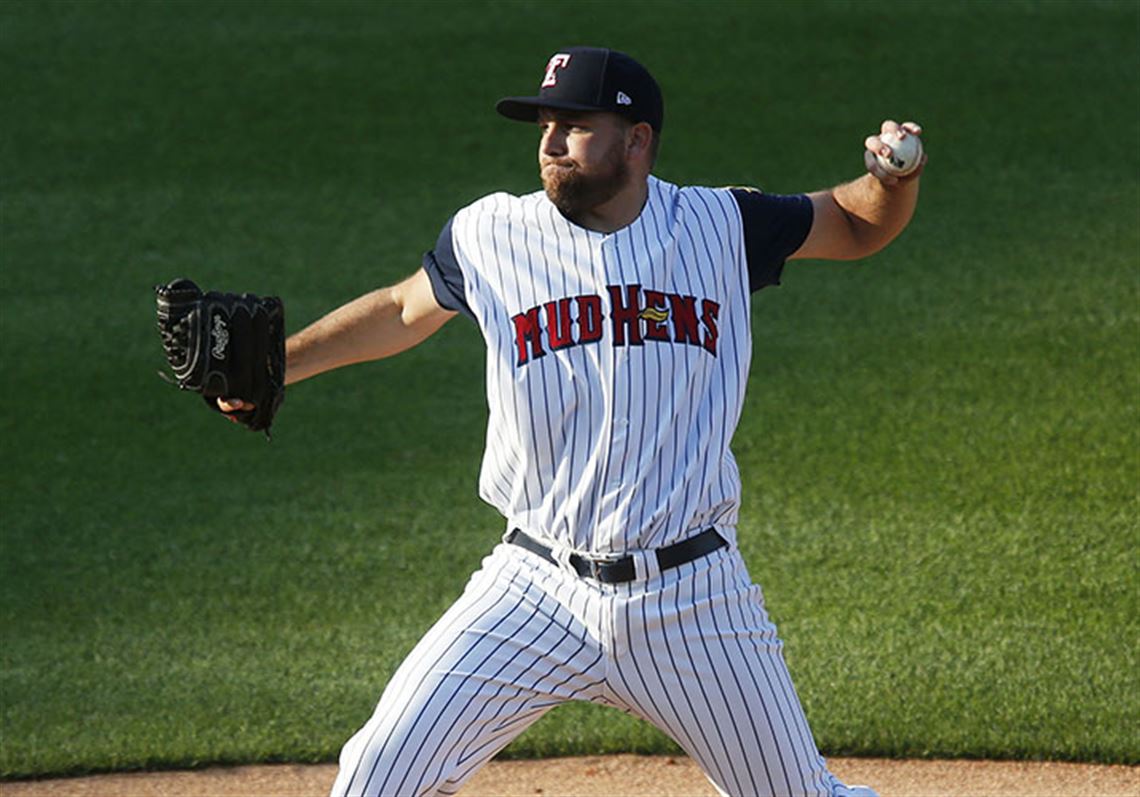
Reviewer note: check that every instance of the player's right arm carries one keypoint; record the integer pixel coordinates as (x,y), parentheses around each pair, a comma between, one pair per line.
(373,326)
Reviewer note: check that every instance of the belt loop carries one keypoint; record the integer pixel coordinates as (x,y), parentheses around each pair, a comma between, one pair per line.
(562,556)
(645,565)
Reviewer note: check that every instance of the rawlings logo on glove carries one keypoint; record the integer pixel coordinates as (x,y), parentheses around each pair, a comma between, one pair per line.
(225,345)
(221,338)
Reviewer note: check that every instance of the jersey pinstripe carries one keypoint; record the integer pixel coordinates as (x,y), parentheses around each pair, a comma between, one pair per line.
(616,365)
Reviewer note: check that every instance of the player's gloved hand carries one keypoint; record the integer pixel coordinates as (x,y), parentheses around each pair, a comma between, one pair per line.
(221,345)
(876,146)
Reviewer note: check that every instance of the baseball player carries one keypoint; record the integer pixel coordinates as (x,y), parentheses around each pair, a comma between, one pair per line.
(616,312)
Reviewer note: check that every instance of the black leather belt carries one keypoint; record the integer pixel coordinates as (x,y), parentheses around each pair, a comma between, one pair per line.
(621,569)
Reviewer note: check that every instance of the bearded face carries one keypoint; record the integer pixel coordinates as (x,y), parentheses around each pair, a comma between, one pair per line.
(574,187)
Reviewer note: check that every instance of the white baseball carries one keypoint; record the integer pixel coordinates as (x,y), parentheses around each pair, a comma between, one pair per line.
(906,153)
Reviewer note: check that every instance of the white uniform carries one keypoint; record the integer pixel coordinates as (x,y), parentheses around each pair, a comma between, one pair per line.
(616,370)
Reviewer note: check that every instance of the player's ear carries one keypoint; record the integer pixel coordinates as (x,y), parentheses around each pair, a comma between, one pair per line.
(638,138)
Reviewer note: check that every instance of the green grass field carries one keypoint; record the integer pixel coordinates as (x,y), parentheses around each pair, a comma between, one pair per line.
(940,451)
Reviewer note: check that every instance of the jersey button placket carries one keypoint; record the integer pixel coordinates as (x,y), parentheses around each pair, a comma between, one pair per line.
(614,485)
(619,374)
(612,358)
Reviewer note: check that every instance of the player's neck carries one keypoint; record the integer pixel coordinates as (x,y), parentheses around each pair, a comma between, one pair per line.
(620,211)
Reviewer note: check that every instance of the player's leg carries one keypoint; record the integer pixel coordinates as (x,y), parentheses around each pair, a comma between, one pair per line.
(501,657)
(703,662)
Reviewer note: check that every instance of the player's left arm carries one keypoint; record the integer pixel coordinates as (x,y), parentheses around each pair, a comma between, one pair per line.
(859,218)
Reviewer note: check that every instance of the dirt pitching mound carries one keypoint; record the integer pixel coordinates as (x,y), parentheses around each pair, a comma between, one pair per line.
(617,776)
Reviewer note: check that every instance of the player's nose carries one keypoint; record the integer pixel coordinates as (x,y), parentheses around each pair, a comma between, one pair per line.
(553,142)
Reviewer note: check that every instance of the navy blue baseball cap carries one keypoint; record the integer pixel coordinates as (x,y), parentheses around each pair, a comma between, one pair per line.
(592,79)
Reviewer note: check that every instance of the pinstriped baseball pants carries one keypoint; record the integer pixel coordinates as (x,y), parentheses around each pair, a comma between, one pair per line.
(691,651)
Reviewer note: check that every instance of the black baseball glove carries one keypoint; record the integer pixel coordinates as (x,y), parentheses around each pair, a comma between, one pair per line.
(225,345)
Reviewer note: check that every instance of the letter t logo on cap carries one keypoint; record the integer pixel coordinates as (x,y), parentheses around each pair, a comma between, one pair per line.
(556,62)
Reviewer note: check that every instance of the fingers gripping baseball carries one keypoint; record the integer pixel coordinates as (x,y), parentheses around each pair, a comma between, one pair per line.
(896,153)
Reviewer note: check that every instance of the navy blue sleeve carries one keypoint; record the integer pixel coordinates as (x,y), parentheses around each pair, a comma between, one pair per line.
(447,281)
(775,226)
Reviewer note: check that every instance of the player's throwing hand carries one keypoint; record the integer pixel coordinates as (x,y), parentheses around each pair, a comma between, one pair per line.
(896,153)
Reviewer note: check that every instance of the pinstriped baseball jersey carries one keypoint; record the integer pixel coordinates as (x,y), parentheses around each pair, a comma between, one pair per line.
(616,363)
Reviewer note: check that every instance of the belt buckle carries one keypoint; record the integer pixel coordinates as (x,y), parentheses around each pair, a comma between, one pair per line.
(599,565)
(596,567)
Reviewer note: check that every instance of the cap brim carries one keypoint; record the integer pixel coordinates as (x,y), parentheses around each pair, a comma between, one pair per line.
(525,109)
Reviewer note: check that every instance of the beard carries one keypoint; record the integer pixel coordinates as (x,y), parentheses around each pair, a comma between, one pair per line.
(574,190)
